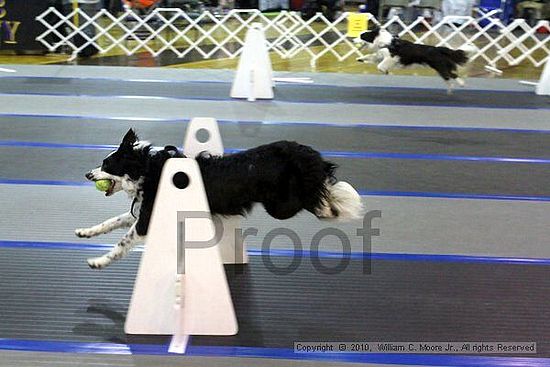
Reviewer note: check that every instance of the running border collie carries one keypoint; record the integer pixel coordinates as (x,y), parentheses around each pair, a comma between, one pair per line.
(286,177)
(391,51)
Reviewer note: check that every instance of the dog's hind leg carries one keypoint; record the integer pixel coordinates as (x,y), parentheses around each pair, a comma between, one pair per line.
(447,74)
(129,241)
(122,221)
(453,79)
(283,209)
(449,86)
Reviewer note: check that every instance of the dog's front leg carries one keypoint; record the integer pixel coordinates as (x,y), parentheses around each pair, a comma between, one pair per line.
(388,61)
(369,59)
(122,221)
(129,241)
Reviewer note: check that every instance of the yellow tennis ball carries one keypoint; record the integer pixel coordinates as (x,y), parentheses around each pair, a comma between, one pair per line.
(103,185)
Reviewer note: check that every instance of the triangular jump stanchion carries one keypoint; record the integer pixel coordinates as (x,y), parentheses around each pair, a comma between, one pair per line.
(254,78)
(543,86)
(181,287)
(203,135)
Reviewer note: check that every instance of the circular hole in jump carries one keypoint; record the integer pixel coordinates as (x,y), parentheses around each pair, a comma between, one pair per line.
(180,180)
(202,135)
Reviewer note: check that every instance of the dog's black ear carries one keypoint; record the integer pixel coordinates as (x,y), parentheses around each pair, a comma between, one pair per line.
(173,152)
(370,35)
(129,139)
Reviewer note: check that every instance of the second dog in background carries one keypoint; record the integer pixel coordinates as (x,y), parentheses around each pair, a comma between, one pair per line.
(390,51)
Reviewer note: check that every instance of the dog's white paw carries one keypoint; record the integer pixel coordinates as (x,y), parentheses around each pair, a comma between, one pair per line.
(383,70)
(84,232)
(98,262)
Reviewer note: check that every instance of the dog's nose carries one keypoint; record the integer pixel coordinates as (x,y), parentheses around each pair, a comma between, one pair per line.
(89,175)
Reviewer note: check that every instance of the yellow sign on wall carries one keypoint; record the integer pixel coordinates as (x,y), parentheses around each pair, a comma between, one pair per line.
(357,24)
(8,28)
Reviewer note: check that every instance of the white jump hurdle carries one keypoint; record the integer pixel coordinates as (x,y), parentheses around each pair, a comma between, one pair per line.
(543,86)
(232,247)
(181,288)
(254,78)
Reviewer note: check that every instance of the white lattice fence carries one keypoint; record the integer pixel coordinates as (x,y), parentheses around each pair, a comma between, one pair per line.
(526,42)
(173,30)
(160,31)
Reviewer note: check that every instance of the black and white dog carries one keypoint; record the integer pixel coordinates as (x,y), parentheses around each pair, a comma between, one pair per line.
(284,176)
(390,51)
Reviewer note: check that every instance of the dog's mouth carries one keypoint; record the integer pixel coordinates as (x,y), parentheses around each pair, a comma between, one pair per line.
(111,189)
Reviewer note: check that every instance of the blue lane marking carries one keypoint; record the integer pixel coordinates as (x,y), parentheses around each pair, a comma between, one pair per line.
(58,245)
(448,195)
(35,144)
(92,117)
(442,195)
(305,254)
(401,257)
(436,157)
(134,80)
(180,81)
(330,154)
(282,123)
(64,346)
(275,353)
(408,156)
(381,358)
(267,102)
(16,181)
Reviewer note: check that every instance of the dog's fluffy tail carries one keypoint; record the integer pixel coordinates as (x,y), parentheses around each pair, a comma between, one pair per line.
(469,49)
(343,203)
(457,57)
(463,54)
